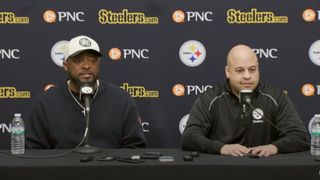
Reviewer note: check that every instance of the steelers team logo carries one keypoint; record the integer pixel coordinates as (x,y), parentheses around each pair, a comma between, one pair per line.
(86,90)
(85,42)
(257,115)
(314,52)
(183,123)
(57,52)
(192,53)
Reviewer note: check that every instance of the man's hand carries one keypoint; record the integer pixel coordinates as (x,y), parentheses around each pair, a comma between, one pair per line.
(266,150)
(234,150)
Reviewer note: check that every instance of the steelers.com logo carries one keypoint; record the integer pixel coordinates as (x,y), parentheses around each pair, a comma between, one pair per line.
(192,53)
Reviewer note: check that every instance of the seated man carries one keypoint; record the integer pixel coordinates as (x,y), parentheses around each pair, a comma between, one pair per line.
(219,124)
(56,117)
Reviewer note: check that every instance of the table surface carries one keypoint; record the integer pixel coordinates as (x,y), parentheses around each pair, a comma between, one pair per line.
(207,166)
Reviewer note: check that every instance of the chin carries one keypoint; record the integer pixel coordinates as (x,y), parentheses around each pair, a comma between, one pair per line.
(88,81)
(248,88)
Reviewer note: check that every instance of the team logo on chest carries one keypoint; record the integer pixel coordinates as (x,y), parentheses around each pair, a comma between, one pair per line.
(257,115)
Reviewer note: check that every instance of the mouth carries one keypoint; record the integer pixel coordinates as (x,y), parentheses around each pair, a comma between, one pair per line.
(247,85)
(86,76)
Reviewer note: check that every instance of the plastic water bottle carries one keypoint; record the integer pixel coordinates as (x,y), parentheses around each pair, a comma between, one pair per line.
(315,136)
(17,135)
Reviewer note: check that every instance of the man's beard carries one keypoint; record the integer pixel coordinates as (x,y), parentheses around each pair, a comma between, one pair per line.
(78,83)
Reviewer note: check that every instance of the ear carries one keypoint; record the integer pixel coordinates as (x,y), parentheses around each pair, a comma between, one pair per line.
(227,71)
(65,66)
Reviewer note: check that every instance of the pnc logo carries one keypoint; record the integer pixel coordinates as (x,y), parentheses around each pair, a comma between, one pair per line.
(308,90)
(5,128)
(47,87)
(115,54)
(9,53)
(178,90)
(182,90)
(268,53)
(51,16)
(118,54)
(179,16)
(145,127)
(309,15)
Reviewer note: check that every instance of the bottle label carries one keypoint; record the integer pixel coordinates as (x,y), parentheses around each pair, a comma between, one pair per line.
(17,130)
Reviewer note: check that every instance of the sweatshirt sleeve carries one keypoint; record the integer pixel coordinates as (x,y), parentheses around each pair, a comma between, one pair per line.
(132,136)
(37,128)
(194,137)
(296,136)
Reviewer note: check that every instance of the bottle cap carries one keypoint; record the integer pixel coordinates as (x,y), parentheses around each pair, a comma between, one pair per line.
(17,114)
(317,115)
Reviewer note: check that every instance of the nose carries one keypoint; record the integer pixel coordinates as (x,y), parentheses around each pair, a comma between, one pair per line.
(86,64)
(247,75)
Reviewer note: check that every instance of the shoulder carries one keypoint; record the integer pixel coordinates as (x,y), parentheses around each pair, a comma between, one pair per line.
(214,92)
(52,92)
(212,95)
(272,92)
(52,97)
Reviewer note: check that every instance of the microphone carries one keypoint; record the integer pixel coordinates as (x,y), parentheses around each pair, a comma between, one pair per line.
(245,99)
(245,96)
(85,93)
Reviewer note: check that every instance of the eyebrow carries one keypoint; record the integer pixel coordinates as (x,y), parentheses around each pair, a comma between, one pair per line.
(254,66)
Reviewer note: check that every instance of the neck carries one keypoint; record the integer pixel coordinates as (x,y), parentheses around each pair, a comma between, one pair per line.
(235,93)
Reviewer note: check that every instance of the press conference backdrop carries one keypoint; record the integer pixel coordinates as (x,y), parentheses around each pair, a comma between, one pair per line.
(164,53)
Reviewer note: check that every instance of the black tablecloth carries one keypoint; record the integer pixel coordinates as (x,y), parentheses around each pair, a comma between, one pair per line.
(206,166)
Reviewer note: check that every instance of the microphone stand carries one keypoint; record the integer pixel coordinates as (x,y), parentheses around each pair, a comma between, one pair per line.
(86,148)
(245,99)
